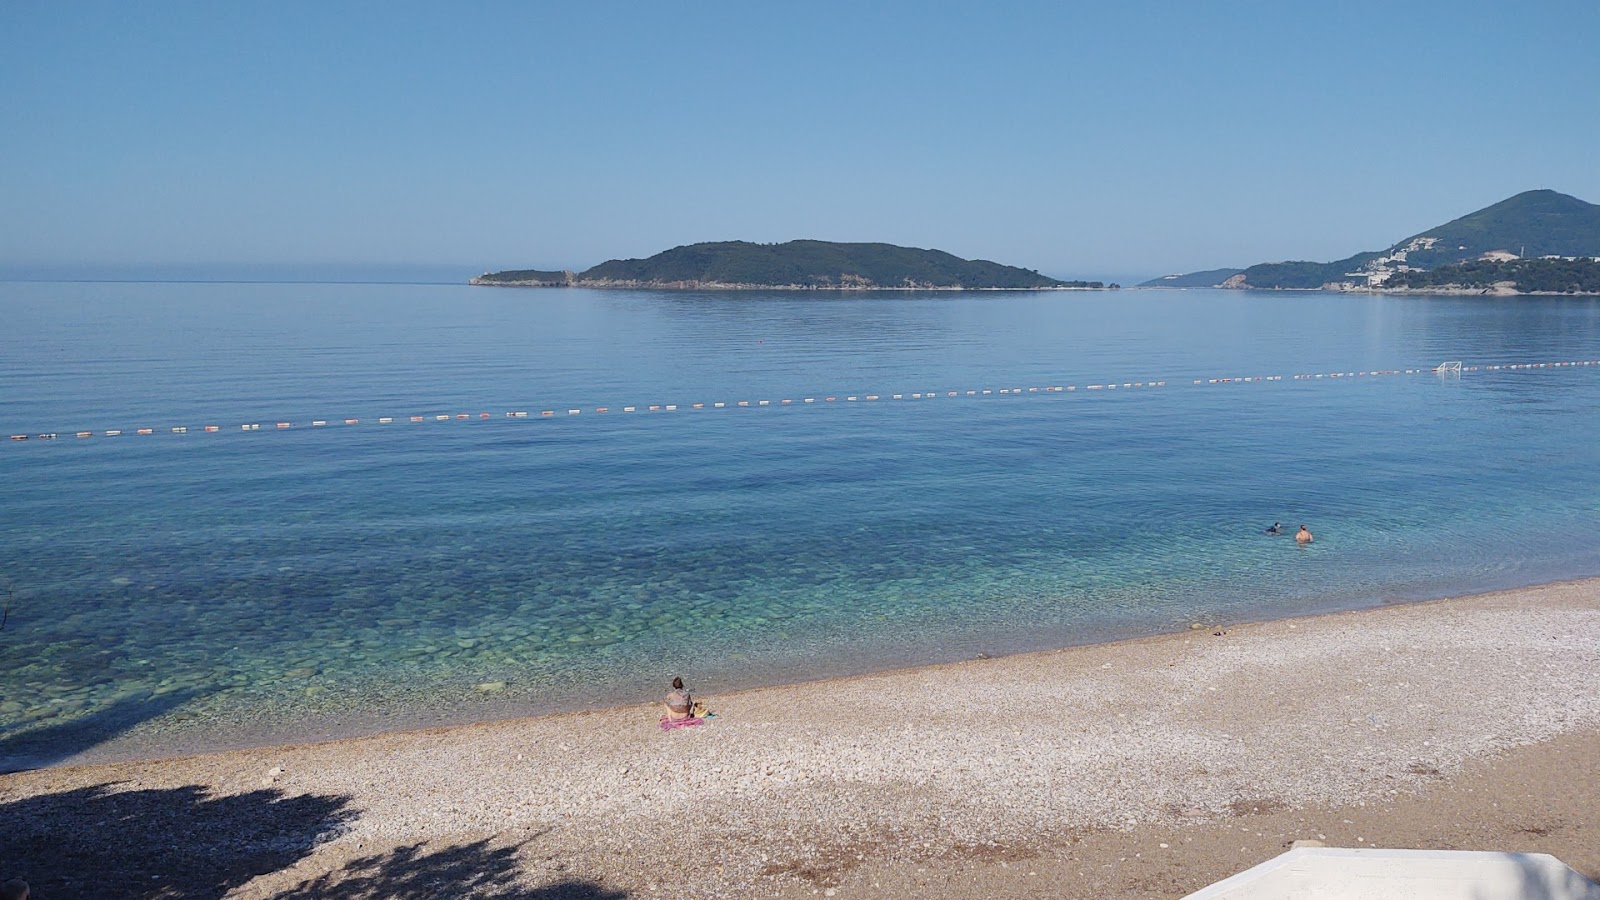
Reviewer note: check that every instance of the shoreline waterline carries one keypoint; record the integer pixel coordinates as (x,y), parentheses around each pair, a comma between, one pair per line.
(435,718)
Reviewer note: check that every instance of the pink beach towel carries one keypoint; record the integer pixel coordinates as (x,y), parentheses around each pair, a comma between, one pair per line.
(669,724)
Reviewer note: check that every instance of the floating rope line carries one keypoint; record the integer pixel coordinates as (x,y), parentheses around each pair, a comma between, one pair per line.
(1452,369)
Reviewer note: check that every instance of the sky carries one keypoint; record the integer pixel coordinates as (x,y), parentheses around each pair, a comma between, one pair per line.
(1079,139)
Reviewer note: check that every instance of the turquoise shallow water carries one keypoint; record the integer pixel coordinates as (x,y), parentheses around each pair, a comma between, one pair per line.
(212,589)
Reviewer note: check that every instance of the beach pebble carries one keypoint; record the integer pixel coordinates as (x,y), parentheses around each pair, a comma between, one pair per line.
(491,687)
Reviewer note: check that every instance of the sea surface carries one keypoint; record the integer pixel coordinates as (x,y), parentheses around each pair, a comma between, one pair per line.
(170,592)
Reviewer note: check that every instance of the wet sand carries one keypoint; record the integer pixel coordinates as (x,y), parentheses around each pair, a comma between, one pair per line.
(1144,768)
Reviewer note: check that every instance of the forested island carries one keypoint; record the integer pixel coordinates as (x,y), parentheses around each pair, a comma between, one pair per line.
(795,265)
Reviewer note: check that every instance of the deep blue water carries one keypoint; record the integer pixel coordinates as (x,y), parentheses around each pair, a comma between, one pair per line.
(235,586)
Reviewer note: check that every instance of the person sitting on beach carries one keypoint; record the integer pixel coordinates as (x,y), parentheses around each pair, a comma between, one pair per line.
(1277,528)
(679,703)
(1303,536)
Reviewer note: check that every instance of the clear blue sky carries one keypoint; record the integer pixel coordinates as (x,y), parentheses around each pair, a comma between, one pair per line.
(1076,138)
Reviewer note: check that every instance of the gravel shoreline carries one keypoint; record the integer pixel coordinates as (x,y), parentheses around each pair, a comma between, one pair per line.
(952,769)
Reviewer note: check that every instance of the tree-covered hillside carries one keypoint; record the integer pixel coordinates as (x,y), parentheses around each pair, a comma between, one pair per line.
(1208,278)
(1300,274)
(1530,224)
(820,264)
(1560,276)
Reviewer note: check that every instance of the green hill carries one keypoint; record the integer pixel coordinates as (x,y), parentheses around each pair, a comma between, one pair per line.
(796,264)
(1530,224)
(1208,278)
(1301,274)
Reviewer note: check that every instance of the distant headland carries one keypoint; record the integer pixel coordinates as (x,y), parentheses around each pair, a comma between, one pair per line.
(796,265)
(1537,242)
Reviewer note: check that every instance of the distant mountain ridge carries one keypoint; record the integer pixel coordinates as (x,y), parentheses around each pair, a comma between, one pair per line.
(1530,224)
(804,264)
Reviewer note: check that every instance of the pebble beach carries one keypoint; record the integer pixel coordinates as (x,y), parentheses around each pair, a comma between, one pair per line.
(1142,768)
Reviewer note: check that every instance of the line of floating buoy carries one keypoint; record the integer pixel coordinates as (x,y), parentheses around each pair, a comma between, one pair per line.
(1443,368)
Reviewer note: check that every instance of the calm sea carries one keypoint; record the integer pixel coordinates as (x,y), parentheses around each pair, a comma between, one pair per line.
(176,591)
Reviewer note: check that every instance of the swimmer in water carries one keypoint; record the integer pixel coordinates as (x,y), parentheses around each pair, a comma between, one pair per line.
(1277,528)
(1303,536)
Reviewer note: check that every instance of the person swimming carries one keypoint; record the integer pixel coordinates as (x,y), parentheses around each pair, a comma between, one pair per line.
(1303,536)
(1277,528)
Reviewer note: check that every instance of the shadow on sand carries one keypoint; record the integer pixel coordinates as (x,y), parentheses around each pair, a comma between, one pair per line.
(38,748)
(105,842)
(109,841)
(466,870)
(179,843)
